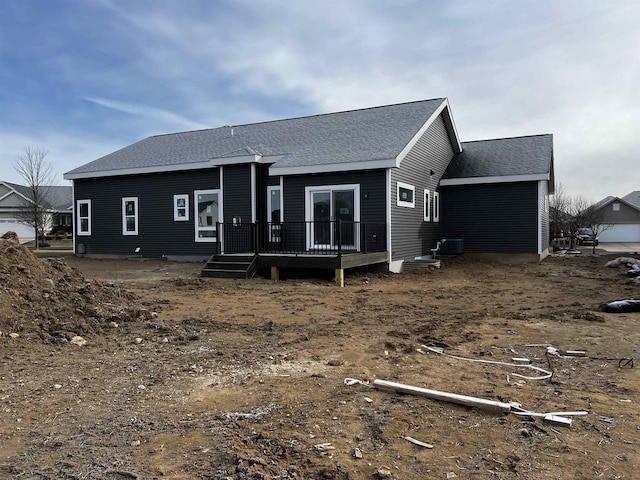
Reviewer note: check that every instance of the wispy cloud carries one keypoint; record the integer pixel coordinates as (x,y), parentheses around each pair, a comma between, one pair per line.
(154,113)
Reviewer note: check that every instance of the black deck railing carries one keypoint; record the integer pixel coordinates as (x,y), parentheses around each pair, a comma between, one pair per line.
(302,238)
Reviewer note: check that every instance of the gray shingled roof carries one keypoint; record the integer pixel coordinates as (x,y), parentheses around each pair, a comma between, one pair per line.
(503,157)
(58,196)
(377,133)
(633,198)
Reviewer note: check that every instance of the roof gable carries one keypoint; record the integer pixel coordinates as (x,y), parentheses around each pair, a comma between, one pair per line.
(59,197)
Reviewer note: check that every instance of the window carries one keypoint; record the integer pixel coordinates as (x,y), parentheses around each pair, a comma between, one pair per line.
(436,206)
(207,213)
(84,217)
(274,207)
(181,208)
(427,207)
(616,207)
(130,216)
(406,195)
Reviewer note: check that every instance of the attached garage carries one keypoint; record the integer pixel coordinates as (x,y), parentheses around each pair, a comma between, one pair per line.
(621,233)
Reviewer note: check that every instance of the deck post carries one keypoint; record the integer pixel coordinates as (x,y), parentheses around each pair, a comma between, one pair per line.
(275,274)
(340,277)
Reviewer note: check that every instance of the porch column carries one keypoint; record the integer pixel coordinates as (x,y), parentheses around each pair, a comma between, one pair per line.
(340,277)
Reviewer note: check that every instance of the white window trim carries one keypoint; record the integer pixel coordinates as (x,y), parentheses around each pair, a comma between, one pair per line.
(88,217)
(436,206)
(177,218)
(401,203)
(308,207)
(427,206)
(124,215)
(269,190)
(196,216)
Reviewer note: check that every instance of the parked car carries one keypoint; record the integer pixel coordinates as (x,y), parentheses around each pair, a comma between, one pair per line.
(586,236)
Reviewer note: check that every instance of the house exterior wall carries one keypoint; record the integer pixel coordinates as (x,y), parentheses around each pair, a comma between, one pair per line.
(492,218)
(158,233)
(543,205)
(411,235)
(236,194)
(626,214)
(372,193)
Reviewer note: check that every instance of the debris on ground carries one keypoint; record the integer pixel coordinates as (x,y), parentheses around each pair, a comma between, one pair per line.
(50,301)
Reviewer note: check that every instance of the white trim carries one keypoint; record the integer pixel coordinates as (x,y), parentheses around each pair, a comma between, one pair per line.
(388,214)
(332,167)
(404,203)
(270,189)
(80,232)
(395,266)
(308,207)
(176,208)
(196,215)
(426,207)
(13,190)
(540,213)
(456,147)
(73,218)
(125,200)
(139,170)
(253,193)
(282,198)
(436,206)
(496,179)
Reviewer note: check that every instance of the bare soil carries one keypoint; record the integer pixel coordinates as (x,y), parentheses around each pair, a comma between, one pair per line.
(190,378)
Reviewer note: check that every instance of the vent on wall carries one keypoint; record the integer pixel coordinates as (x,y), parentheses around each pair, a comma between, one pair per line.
(81,249)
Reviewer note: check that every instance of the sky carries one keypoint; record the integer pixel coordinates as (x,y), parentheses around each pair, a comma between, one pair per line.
(83,78)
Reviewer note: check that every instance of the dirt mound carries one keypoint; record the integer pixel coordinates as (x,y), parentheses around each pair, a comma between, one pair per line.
(48,300)
(11,236)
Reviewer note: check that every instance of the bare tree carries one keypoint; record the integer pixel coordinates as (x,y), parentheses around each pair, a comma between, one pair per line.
(38,177)
(597,220)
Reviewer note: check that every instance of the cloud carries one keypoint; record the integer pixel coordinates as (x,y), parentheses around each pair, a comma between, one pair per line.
(157,114)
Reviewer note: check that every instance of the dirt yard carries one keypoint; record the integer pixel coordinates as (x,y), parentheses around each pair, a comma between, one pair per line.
(189,378)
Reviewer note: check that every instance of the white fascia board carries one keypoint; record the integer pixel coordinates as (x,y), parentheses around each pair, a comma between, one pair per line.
(139,170)
(332,167)
(497,179)
(444,107)
(237,160)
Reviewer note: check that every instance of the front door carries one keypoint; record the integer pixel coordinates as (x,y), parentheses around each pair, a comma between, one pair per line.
(330,209)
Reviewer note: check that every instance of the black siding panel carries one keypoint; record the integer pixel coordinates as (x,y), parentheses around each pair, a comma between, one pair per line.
(158,234)
(492,218)
(411,236)
(544,215)
(237,192)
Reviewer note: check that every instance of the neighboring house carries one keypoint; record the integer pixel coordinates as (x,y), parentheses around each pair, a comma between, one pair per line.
(623,215)
(14,198)
(336,191)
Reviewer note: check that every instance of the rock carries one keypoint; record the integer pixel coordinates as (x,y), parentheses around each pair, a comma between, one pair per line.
(451,475)
(113,324)
(524,432)
(14,335)
(57,386)
(357,453)
(154,314)
(383,472)
(79,341)
(335,362)
(135,443)
(138,340)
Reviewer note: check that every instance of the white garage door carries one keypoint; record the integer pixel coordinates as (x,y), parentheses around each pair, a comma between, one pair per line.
(24,233)
(621,233)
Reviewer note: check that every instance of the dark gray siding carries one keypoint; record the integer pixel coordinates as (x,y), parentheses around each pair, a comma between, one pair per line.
(492,218)
(236,195)
(158,233)
(372,193)
(411,236)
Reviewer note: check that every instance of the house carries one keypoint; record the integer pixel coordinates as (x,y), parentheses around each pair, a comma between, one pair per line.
(14,198)
(375,186)
(623,216)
